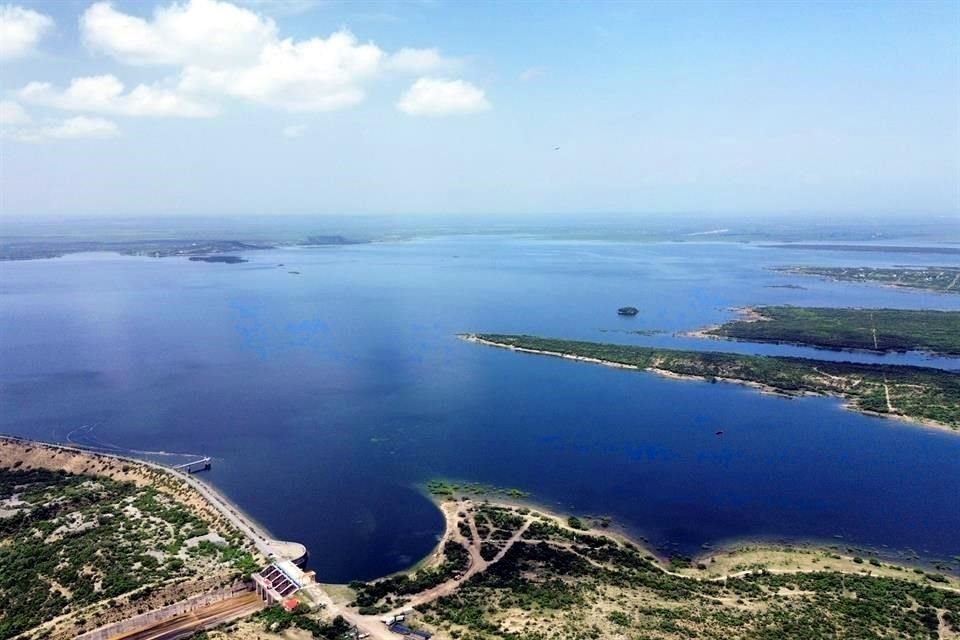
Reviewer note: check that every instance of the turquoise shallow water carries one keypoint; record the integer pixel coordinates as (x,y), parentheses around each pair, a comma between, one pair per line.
(325,396)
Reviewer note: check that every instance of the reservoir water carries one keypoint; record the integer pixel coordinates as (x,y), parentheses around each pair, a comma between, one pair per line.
(325,396)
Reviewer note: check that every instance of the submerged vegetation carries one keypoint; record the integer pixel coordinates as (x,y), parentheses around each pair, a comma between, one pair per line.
(880,330)
(917,393)
(940,279)
(448,489)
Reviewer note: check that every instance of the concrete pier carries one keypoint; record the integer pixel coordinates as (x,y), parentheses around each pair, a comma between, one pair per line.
(195,466)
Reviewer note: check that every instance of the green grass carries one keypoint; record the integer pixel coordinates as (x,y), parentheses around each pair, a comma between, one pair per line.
(916,392)
(896,329)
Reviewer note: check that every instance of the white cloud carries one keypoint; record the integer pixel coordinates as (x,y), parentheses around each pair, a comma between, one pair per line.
(20,30)
(439,96)
(69,129)
(224,50)
(294,131)
(197,32)
(12,113)
(420,61)
(312,75)
(105,94)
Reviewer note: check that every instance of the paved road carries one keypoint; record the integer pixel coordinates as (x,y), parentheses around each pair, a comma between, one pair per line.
(189,623)
(265,545)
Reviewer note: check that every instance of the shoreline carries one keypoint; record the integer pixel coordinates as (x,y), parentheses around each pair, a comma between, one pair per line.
(728,559)
(751,315)
(212,584)
(703,333)
(728,547)
(259,536)
(798,271)
(761,554)
(211,496)
(758,386)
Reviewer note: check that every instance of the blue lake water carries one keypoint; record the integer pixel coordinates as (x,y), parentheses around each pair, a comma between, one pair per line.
(325,397)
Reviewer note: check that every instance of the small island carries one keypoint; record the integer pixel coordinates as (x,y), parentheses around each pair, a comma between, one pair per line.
(221,259)
(627,311)
(329,240)
(878,330)
(919,395)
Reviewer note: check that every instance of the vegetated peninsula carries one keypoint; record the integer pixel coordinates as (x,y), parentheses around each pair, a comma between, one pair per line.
(939,279)
(880,330)
(508,572)
(866,248)
(88,540)
(921,395)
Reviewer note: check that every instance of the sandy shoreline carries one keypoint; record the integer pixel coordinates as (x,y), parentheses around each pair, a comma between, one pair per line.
(140,472)
(758,386)
(724,560)
(730,559)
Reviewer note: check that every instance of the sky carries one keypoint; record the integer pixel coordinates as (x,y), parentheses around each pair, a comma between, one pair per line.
(261,107)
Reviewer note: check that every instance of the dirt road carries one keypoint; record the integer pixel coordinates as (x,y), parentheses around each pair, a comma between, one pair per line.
(477,563)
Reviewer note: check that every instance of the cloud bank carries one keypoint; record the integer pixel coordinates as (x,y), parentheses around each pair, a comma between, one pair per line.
(73,128)
(210,52)
(105,94)
(223,50)
(20,30)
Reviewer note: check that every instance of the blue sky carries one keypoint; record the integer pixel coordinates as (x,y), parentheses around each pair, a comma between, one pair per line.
(313,107)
